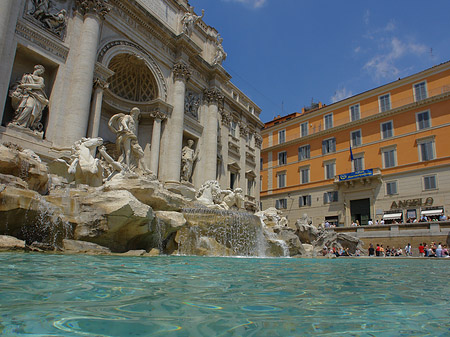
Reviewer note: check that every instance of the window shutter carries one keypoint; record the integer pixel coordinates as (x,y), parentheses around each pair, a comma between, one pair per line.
(335,196)
(333,145)
(277,204)
(323,146)
(325,198)
(309,200)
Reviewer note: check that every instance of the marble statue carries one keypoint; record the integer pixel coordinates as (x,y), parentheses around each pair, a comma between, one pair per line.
(189,20)
(220,52)
(131,154)
(191,105)
(55,22)
(233,199)
(209,194)
(86,168)
(188,158)
(29,100)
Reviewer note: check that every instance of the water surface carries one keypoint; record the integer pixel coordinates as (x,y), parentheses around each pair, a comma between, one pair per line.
(76,295)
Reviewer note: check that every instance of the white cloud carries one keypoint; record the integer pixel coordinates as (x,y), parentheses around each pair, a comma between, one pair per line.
(366,17)
(340,94)
(383,66)
(251,3)
(357,49)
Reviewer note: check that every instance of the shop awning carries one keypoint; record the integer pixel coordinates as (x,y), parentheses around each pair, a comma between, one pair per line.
(392,216)
(433,212)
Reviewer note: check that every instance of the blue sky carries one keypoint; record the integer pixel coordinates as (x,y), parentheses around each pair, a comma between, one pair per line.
(284,53)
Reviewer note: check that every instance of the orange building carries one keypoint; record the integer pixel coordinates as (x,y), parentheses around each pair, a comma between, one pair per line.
(380,156)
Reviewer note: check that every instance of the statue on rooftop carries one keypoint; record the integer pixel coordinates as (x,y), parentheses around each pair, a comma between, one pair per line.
(29,100)
(189,20)
(220,52)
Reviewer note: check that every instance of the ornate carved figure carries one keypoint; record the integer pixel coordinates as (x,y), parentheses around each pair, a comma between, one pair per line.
(29,99)
(220,52)
(188,158)
(189,20)
(55,22)
(210,193)
(86,168)
(131,154)
(233,199)
(191,105)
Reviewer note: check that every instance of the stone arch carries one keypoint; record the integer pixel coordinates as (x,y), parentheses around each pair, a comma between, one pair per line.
(116,47)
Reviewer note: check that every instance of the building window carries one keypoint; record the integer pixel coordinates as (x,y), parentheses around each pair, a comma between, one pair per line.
(304,200)
(304,175)
(329,145)
(261,162)
(354,113)
(423,120)
(387,130)
(233,128)
(282,158)
(233,178)
(385,102)
(330,197)
(330,170)
(328,121)
(303,152)
(250,183)
(358,163)
(304,129)
(281,136)
(356,138)
(281,203)
(389,157)
(429,182)
(281,180)
(420,91)
(426,149)
(391,187)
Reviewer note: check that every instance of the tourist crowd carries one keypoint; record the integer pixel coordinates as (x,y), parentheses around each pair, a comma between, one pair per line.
(425,250)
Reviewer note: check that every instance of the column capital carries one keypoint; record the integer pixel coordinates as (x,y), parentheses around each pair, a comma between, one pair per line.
(181,71)
(226,118)
(258,140)
(100,84)
(243,130)
(157,114)
(213,96)
(98,7)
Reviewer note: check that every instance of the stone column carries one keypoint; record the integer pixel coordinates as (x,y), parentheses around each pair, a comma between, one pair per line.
(258,144)
(175,126)
(156,141)
(243,132)
(213,97)
(77,112)
(224,134)
(9,13)
(96,107)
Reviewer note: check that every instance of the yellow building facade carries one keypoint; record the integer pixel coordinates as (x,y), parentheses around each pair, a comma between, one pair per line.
(380,156)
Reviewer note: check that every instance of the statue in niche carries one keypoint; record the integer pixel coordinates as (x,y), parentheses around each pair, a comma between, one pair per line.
(191,105)
(188,159)
(29,100)
(220,52)
(131,154)
(55,22)
(189,20)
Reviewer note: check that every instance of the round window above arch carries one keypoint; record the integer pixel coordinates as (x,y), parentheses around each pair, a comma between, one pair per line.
(132,79)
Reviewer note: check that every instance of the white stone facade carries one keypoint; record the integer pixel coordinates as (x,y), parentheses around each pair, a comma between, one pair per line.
(103,57)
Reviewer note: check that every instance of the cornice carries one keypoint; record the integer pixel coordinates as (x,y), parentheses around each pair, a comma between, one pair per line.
(367,94)
(350,125)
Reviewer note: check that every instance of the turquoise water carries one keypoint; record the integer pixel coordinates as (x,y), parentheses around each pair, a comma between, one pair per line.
(67,295)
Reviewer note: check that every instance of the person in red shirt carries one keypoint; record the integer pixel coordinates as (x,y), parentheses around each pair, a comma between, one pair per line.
(421,250)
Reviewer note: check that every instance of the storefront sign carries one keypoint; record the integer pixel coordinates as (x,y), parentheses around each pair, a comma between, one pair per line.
(356,174)
(412,203)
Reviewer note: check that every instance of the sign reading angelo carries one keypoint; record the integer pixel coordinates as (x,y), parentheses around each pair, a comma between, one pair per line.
(412,203)
(356,174)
